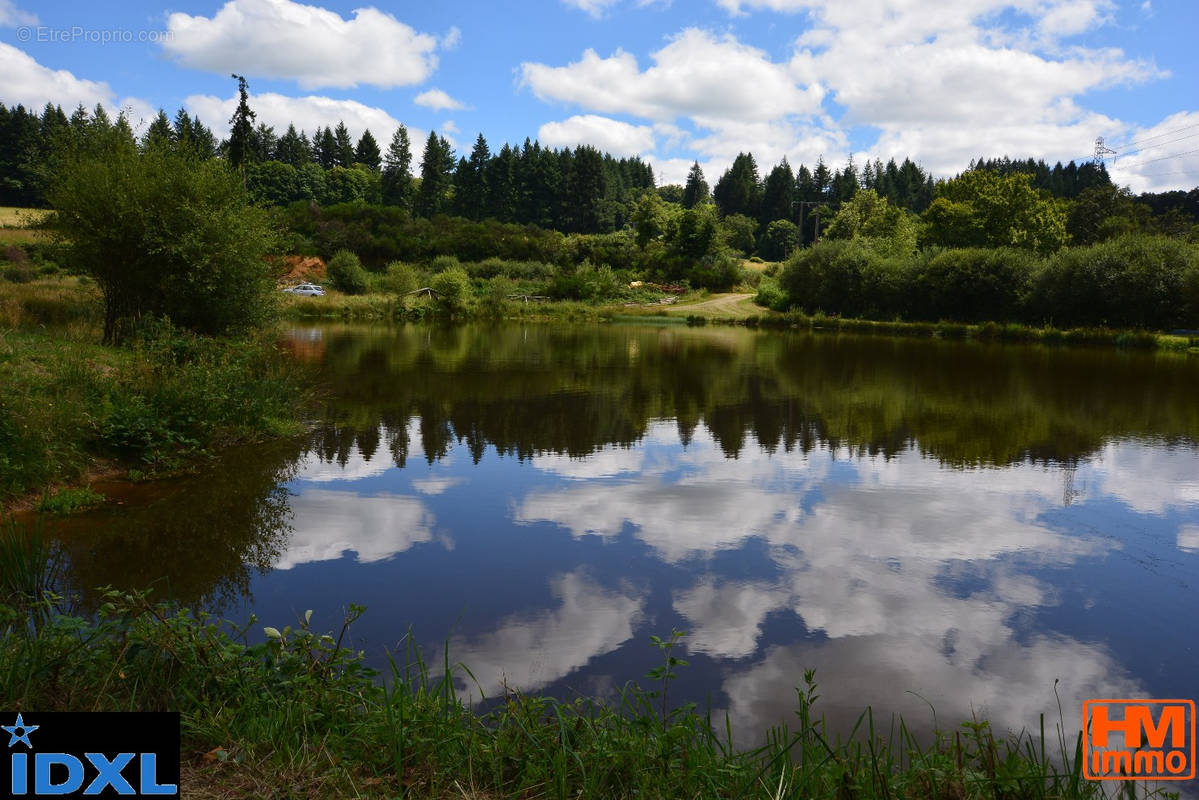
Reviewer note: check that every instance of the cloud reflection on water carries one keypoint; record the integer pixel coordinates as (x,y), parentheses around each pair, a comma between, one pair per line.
(866,550)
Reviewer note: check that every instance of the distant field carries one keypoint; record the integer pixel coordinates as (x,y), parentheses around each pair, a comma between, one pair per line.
(20,217)
(20,235)
(757,266)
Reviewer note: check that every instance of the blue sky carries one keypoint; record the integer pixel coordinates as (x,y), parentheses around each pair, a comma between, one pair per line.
(674,82)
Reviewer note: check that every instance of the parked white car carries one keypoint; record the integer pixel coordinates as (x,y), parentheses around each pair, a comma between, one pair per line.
(307,289)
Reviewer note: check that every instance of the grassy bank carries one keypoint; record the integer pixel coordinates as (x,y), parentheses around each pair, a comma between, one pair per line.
(381,307)
(69,406)
(757,317)
(299,716)
(718,309)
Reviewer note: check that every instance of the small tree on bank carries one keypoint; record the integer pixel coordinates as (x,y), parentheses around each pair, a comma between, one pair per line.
(165,234)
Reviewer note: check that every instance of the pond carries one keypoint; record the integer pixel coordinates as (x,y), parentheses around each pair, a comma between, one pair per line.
(978,529)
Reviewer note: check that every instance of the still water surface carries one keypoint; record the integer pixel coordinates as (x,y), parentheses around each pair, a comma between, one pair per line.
(951,522)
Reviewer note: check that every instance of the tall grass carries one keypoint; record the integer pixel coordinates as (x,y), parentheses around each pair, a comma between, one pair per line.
(299,715)
(168,396)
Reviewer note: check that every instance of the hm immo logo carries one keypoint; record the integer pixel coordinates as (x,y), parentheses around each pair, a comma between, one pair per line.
(1129,740)
(78,755)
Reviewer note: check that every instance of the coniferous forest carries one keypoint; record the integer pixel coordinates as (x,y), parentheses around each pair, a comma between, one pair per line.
(555,210)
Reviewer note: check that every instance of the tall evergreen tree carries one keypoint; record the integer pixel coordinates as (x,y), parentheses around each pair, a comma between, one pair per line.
(436,173)
(182,128)
(80,122)
(739,191)
(242,127)
(501,185)
(585,191)
(777,195)
(397,170)
(696,191)
(343,147)
(324,150)
(160,134)
(845,183)
(470,182)
(263,144)
(367,151)
(203,140)
(822,179)
(292,149)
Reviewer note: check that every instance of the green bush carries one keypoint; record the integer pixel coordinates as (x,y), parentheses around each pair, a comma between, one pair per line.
(771,296)
(717,272)
(399,279)
(827,277)
(442,263)
(165,235)
(495,298)
(781,237)
(587,283)
(346,273)
(1134,281)
(453,288)
(972,285)
(17,274)
(751,278)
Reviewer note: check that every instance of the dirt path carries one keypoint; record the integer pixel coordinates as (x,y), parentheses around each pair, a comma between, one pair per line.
(720,305)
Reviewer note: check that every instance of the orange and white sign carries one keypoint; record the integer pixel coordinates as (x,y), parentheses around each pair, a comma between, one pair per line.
(1127,740)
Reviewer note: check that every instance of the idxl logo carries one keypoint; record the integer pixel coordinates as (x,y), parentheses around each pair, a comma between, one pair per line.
(91,755)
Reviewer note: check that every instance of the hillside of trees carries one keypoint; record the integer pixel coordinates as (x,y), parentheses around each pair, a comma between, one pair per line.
(570,207)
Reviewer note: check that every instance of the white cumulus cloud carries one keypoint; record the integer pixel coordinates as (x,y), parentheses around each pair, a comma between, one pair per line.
(697,75)
(939,82)
(311,45)
(28,83)
(437,100)
(607,134)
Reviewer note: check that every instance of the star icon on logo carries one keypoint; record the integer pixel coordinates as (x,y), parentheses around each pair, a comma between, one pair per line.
(25,731)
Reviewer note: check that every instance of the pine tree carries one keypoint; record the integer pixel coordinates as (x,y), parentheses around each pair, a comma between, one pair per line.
(367,151)
(80,123)
(203,140)
(397,170)
(159,134)
(343,147)
(821,179)
(182,128)
(778,195)
(262,144)
(470,182)
(585,190)
(739,191)
(436,172)
(696,191)
(324,151)
(242,127)
(292,149)
(501,185)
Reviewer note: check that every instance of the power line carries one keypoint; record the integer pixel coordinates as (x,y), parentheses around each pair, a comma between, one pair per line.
(1163,158)
(1128,145)
(1163,144)
(1131,145)
(1168,172)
